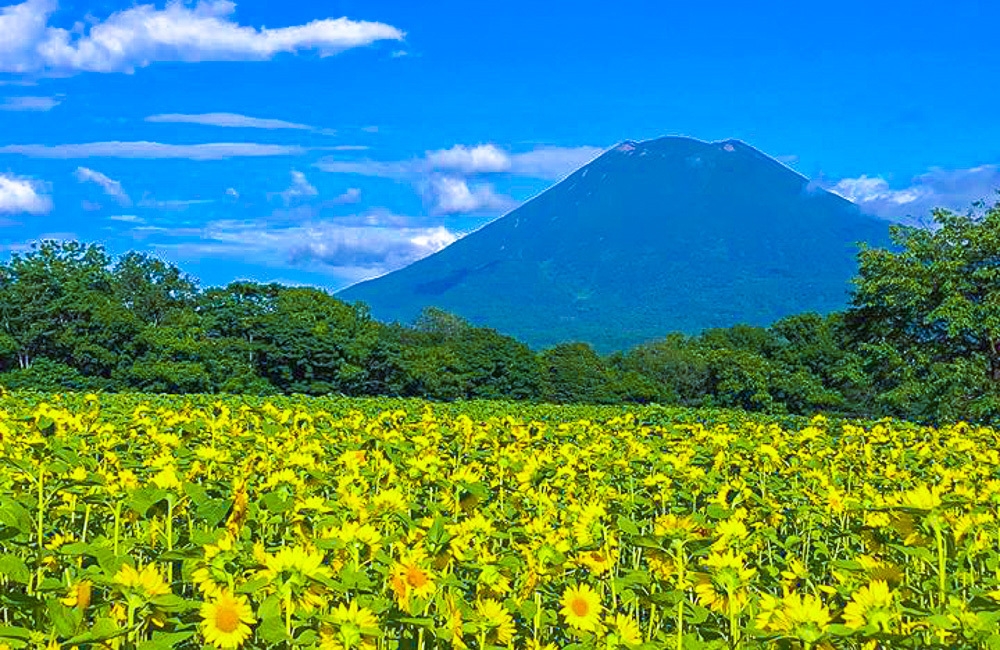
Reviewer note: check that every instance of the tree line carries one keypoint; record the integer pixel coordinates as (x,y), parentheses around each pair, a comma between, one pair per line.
(920,339)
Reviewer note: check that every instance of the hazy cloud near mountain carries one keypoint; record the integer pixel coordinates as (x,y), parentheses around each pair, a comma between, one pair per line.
(23,195)
(446,178)
(141,35)
(954,189)
(550,163)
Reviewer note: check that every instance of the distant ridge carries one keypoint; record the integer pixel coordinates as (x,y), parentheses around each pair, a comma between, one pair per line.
(672,234)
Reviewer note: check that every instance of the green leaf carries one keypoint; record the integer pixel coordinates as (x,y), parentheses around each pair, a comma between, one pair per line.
(277,503)
(14,569)
(627,526)
(14,515)
(165,640)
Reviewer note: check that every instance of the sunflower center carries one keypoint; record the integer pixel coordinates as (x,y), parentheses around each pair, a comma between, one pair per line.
(227,619)
(416,577)
(579,607)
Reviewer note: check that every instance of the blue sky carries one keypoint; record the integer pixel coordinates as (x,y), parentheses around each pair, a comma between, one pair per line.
(326,142)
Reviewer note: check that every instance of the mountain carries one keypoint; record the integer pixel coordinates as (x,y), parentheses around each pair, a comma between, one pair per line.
(672,234)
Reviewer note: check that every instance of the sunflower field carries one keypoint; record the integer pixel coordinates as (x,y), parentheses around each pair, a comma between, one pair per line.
(153,522)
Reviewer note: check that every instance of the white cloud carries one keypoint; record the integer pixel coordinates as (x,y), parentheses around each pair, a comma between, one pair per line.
(110,186)
(938,188)
(19,195)
(352,195)
(484,158)
(29,103)
(208,151)
(143,34)
(300,188)
(452,195)
(233,120)
(127,218)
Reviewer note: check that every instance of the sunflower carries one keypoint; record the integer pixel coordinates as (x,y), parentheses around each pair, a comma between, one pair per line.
(78,595)
(226,620)
(353,627)
(724,590)
(806,616)
(300,571)
(408,579)
(581,607)
(600,561)
(627,630)
(147,580)
(872,605)
(497,620)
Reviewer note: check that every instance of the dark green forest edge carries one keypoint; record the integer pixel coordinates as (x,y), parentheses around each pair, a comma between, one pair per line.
(920,339)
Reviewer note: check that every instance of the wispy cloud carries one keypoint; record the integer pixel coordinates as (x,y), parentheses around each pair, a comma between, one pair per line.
(171,205)
(20,195)
(233,120)
(141,35)
(954,189)
(208,151)
(452,195)
(127,218)
(29,103)
(110,186)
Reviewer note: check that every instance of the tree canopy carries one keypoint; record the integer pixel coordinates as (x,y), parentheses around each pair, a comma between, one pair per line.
(920,339)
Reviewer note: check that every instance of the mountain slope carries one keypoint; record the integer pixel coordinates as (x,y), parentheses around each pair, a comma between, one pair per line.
(672,234)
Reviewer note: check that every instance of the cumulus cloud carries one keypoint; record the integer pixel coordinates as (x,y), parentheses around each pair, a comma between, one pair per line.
(20,195)
(141,35)
(233,120)
(485,158)
(29,103)
(207,151)
(110,186)
(452,195)
(954,189)
(300,188)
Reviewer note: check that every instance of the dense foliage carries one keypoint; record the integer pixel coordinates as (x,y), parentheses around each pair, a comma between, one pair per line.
(161,522)
(920,341)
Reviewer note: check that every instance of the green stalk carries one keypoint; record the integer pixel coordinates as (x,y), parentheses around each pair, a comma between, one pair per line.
(40,517)
(680,602)
(942,563)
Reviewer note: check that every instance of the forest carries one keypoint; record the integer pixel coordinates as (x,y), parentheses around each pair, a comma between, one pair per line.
(919,339)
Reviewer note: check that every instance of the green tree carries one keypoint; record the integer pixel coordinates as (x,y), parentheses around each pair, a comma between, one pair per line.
(574,373)
(57,301)
(926,316)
